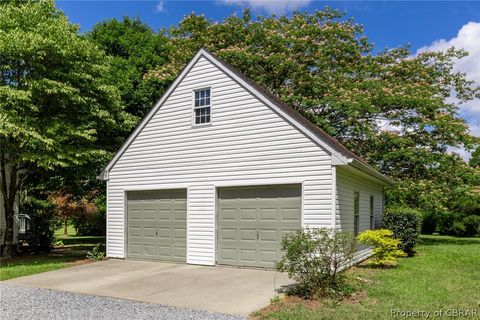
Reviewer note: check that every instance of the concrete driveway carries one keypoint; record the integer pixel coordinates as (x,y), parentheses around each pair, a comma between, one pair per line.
(216,289)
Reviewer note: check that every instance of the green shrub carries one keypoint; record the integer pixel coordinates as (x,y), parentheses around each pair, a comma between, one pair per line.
(458,228)
(472,226)
(316,260)
(429,223)
(406,225)
(444,223)
(90,225)
(97,253)
(385,247)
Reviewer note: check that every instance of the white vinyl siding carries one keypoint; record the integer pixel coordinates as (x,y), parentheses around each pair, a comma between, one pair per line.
(201,224)
(349,181)
(247,143)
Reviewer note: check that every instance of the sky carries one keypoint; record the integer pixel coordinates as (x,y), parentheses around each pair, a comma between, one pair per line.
(424,25)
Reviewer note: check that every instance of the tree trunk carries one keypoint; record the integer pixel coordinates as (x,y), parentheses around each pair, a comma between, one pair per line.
(65,227)
(8,242)
(9,186)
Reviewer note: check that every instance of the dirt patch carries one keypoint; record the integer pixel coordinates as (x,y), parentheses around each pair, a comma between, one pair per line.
(285,302)
(356,297)
(79,262)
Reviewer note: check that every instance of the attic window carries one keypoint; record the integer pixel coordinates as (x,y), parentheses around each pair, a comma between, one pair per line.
(201,109)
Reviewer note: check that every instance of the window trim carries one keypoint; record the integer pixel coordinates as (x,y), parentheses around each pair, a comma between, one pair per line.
(198,107)
(356,213)
(372,212)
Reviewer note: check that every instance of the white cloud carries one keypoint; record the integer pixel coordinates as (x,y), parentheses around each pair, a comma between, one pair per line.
(468,38)
(160,7)
(270,6)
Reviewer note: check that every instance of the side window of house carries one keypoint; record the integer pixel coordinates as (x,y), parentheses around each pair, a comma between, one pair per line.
(356,212)
(372,212)
(201,107)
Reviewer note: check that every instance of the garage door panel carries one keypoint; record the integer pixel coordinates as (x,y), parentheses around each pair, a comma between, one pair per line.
(163,214)
(248,213)
(246,234)
(180,215)
(228,254)
(269,235)
(157,225)
(268,256)
(228,234)
(268,214)
(228,214)
(180,233)
(247,256)
(252,222)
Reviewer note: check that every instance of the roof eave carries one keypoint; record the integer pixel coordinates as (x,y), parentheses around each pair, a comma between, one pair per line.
(371,171)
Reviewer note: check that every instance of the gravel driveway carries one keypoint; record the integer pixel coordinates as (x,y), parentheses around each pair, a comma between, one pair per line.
(33,303)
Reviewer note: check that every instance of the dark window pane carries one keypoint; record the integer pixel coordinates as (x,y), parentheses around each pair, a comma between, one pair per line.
(207,101)
(197,95)
(208,118)
(355,225)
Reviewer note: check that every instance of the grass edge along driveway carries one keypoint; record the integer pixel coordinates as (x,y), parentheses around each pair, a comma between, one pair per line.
(73,252)
(444,275)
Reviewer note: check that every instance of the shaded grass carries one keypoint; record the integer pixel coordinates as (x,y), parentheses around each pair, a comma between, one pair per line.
(71,253)
(82,240)
(445,274)
(70,231)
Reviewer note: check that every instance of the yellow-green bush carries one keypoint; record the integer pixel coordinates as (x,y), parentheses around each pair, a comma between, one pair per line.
(385,247)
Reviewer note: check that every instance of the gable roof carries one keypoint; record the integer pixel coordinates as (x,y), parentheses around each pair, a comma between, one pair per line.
(340,154)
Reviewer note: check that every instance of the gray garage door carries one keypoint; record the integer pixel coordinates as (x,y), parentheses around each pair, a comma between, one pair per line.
(252,221)
(157,225)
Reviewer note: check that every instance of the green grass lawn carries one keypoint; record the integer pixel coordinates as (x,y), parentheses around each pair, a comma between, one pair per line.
(445,274)
(71,253)
(70,230)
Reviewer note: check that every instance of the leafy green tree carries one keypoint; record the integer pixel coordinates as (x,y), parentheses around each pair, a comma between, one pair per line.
(392,108)
(135,49)
(475,158)
(55,109)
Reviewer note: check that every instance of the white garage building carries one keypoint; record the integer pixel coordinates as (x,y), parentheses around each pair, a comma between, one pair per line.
(219,170)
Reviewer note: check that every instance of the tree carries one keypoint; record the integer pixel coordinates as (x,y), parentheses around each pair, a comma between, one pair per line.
(66,207)
(475,158)
(56,111)
(392,108)
(135,49)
